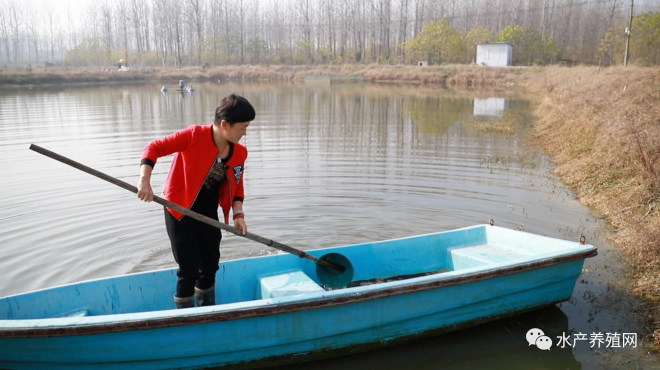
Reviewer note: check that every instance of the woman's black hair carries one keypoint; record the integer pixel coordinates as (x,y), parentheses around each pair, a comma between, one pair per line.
(234,108)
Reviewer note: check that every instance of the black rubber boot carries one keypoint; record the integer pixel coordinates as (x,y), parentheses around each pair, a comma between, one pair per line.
(186,302)
(205,297)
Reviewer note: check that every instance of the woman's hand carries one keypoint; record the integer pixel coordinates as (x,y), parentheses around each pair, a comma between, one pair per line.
(240,224)
(144,191)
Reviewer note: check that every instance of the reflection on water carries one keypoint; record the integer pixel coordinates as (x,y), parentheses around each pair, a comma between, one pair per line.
(473,348)
(489,107)
(328,166)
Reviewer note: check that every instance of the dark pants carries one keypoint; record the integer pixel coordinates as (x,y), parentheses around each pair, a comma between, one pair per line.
(196,248)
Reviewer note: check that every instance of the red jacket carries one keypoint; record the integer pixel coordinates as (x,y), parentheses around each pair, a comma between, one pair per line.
(194,155)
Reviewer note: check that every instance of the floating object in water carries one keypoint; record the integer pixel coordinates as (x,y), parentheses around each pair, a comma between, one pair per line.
(163,89)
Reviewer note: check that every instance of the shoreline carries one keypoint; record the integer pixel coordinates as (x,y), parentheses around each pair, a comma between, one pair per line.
(601,129)
(599,126)
(446,76)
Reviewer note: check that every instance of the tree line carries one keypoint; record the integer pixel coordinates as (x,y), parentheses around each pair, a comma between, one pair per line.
(221,32)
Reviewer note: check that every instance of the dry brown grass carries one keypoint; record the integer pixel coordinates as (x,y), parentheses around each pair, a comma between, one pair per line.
(446,76)
(602,128)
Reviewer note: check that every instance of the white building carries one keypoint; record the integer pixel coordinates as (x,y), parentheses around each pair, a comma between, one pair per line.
(494,55)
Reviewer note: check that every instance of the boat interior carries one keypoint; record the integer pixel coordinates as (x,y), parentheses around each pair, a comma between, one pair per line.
(275,277)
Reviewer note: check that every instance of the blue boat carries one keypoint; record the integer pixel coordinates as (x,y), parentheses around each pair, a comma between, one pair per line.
(273,310)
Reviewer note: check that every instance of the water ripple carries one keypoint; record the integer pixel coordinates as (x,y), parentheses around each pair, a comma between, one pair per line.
(324,169)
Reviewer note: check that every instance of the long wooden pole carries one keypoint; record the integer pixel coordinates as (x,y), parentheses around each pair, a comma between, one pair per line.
(186,211)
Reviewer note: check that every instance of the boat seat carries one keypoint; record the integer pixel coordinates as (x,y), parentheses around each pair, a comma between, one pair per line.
(287,284)
(479,255)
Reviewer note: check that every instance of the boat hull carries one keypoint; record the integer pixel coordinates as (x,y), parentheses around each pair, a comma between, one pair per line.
(321,323)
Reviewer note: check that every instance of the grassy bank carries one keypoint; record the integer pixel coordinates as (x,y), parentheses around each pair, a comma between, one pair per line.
(463,76)
(601,127)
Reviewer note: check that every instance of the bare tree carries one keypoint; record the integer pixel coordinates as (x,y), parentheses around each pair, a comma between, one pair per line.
(195,10)
(107,25)
(292,31)
(159,21)
(169,29)
(564,37)
(330,16)
(13,19)
(139,22)
(49,30)
(402,35)
(383,11)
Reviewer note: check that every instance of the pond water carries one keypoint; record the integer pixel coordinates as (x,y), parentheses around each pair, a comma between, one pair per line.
(328,165)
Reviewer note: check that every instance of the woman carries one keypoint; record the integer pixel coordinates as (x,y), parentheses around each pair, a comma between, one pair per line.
(207,171)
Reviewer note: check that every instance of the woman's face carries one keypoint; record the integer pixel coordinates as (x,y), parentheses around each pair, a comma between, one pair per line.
(234,133)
